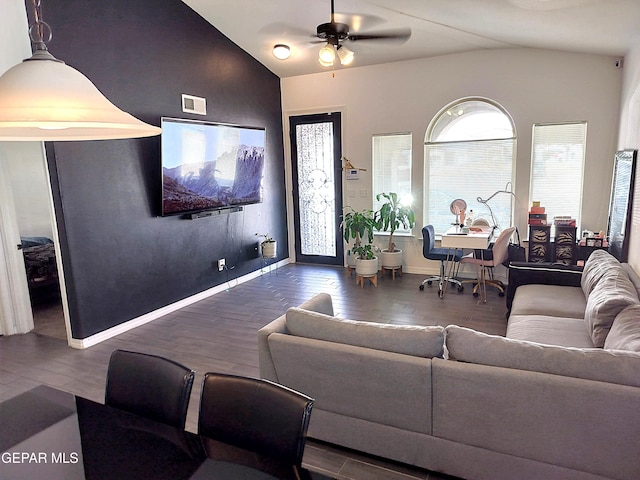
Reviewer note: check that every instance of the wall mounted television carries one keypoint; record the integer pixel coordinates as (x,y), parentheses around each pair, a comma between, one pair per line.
(209,166)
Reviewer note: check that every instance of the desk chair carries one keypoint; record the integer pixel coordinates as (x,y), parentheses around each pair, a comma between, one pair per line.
(485,260)
(150,386)
(430,252)
(256,415)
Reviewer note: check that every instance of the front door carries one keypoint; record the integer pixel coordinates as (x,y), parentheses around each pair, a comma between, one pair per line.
(316,152)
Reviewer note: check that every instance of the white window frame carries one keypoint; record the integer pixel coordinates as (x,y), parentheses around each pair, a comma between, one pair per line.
(392,158)
(556,179)
(454,169)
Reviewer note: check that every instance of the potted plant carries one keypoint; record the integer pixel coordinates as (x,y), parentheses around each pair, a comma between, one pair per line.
(268,246)
(391,216)
(359,226)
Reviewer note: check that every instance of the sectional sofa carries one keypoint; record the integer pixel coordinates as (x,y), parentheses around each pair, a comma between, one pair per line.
(540,403)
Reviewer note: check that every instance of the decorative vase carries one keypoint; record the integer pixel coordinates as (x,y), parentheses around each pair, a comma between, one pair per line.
(391,259)
(367,268)
(269,249)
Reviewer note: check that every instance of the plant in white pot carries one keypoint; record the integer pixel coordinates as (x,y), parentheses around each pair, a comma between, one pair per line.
(268,246)
(392,215)
(359,226)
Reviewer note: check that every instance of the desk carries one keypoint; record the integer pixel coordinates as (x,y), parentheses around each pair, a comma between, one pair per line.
(47,433)
(453,239)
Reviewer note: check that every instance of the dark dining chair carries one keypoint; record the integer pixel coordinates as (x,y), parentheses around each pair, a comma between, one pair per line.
(150,386)
(256,415)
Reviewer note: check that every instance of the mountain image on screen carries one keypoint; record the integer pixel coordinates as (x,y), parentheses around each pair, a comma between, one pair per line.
(204,186)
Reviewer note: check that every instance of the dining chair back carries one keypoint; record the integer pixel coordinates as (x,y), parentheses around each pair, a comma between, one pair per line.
(255,414)
(150,386)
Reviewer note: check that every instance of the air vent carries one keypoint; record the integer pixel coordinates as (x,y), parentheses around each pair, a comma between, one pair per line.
(191,104)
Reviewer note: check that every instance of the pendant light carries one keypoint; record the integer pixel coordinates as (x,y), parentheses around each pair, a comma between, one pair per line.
(44,99)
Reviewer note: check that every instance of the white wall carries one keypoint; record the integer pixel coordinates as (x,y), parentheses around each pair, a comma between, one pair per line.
(630,139)
(15,308)
(26,173)
(535,86)
(23,163)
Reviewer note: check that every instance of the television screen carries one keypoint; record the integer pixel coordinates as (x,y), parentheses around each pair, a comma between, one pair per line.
(208,165)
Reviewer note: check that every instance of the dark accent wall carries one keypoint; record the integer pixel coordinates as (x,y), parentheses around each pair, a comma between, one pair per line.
(121,258)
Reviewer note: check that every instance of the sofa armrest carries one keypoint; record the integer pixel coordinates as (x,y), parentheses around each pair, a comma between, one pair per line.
(524,273)
(267,367)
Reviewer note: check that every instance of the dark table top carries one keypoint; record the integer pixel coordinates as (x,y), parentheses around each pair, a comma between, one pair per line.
(47,433)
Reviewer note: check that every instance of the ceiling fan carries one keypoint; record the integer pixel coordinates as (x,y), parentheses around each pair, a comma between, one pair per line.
(336,33)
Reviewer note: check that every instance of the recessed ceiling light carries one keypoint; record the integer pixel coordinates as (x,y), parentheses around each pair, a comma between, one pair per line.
(281,51)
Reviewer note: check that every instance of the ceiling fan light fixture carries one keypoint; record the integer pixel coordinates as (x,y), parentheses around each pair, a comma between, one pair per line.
(327,55)
(345,55)
(281,51)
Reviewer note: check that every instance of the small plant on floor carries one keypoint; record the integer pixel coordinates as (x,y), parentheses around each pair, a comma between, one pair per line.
(358,226)
(393,214)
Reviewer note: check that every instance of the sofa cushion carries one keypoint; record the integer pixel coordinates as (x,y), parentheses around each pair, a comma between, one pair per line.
(562,331)
(559,301)
(613,366)
(599,264)
(625,331)
(608,298)
(418,341)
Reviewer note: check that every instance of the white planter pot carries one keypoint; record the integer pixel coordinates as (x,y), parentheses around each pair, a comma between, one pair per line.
(269,249)
(367,268)
(391,259)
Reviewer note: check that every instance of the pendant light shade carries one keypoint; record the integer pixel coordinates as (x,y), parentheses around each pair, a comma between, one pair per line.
(42,98)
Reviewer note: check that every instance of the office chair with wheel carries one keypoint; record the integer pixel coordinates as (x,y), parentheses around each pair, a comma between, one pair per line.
(255,414)
(443,255)
(486,260)
(150,386)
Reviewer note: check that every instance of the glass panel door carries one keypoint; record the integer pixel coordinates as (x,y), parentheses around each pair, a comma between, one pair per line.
(317,187)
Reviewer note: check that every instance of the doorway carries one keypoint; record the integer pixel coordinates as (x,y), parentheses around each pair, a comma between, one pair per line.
(316,156)
(32,268)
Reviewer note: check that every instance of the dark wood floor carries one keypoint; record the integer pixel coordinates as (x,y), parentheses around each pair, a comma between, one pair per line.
(219,334)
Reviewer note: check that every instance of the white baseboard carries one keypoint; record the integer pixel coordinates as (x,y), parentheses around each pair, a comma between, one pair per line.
(151,316)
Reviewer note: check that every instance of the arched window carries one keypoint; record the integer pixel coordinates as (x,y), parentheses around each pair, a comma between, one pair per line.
(469,154)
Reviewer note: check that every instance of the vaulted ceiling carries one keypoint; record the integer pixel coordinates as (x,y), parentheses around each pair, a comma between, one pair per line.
(438,27)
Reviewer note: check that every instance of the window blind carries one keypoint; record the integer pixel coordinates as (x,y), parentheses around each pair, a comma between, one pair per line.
(557,168)
(467,170)
(391,166)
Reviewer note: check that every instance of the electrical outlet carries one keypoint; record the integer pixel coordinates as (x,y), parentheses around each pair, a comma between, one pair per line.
(221,264)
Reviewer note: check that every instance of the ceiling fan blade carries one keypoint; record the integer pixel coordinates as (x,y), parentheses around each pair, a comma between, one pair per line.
(396,36)
(359,21)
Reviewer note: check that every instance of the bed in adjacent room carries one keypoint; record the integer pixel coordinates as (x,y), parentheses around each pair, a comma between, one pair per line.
(40,263)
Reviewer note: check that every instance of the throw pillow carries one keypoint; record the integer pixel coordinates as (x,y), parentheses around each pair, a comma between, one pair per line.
(599,264)
(625,331)
(608,298)
(418,341)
